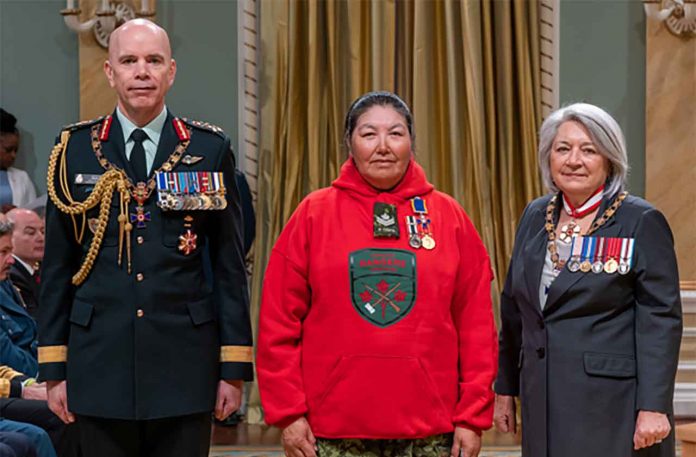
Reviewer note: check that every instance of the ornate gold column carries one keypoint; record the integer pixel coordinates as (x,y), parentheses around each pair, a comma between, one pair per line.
(670,155)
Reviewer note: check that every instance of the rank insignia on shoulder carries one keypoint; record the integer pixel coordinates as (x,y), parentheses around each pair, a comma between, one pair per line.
(180,128)
(204,126)
(82,124)
(188,159)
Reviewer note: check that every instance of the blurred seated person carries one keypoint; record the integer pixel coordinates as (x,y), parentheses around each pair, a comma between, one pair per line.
(13,444)
(23,401)
(27,250)
(16,188)
(18,344)
(37,437)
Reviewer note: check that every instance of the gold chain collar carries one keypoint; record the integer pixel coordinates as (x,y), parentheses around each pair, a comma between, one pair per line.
(167,166)
(551,227)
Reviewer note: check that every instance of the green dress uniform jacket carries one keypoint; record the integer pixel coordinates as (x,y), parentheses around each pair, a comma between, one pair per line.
(154,342)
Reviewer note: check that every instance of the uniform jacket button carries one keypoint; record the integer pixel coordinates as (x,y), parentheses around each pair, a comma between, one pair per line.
(541,352)
(139,277)
(140,239)
(140,313)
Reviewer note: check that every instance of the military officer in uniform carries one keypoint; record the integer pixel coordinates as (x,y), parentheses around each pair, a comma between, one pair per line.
(134,343)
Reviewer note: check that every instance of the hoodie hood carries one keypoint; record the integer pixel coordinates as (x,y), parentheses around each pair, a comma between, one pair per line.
(414,183)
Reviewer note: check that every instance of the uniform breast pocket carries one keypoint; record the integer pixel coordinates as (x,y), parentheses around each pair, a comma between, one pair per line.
(176,223)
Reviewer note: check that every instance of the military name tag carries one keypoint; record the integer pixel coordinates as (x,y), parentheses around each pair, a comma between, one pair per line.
(385,223)
(85,178)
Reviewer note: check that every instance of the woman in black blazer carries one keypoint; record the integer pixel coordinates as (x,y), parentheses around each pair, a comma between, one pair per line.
(591,312)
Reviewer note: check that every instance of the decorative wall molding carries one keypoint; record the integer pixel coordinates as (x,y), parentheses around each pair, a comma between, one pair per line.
(549,22)
(679,16)
(248,39)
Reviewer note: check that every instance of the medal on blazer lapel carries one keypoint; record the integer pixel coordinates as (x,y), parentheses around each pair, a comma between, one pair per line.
(571,229)
(626,255)
(550,228)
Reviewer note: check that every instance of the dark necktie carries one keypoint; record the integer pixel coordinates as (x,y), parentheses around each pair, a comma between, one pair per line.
(137,155)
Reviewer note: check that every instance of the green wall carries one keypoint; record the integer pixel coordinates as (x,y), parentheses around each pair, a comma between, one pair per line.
(39,74)
(602,45)
(39,78)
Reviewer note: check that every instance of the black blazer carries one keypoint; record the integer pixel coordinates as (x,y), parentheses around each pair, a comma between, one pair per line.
(153,343)
(27,286)
(605,345)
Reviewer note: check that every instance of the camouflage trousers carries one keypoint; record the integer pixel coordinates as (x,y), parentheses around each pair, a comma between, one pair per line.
(432,446)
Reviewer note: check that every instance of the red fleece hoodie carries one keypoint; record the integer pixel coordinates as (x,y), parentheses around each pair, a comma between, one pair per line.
(368,337)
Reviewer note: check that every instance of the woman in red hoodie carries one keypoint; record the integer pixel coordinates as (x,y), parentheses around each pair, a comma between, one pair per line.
(376,328)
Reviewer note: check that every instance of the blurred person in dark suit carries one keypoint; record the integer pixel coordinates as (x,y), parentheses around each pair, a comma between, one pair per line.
(28,250)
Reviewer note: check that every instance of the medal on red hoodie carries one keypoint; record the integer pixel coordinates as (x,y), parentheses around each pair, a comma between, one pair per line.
(414,239)
(421,209)
(385,224)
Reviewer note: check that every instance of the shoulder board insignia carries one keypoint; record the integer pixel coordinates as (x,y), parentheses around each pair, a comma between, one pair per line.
(105,128)
(181,130)
(204,126)
(82,124)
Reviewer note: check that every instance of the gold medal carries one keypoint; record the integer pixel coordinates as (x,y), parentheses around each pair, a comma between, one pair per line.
(428,242)
(610,266)
(586,266)
(206,202)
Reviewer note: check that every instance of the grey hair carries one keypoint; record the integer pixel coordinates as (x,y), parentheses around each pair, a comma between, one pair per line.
(605,134)
(6,226)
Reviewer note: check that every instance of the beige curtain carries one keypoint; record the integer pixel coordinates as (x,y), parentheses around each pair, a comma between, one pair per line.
(468,69)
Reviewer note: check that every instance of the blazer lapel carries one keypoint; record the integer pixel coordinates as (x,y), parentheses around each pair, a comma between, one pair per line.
(566,279)
(168,142)
(533,263)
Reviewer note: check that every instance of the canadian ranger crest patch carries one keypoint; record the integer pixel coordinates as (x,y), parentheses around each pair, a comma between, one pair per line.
(383,284)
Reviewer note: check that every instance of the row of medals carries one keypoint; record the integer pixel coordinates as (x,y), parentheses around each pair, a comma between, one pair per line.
(182,191)
(607,264)
(419,231)
(190,202)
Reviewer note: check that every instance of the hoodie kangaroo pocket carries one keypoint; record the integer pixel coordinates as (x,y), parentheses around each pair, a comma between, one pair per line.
(379,397)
